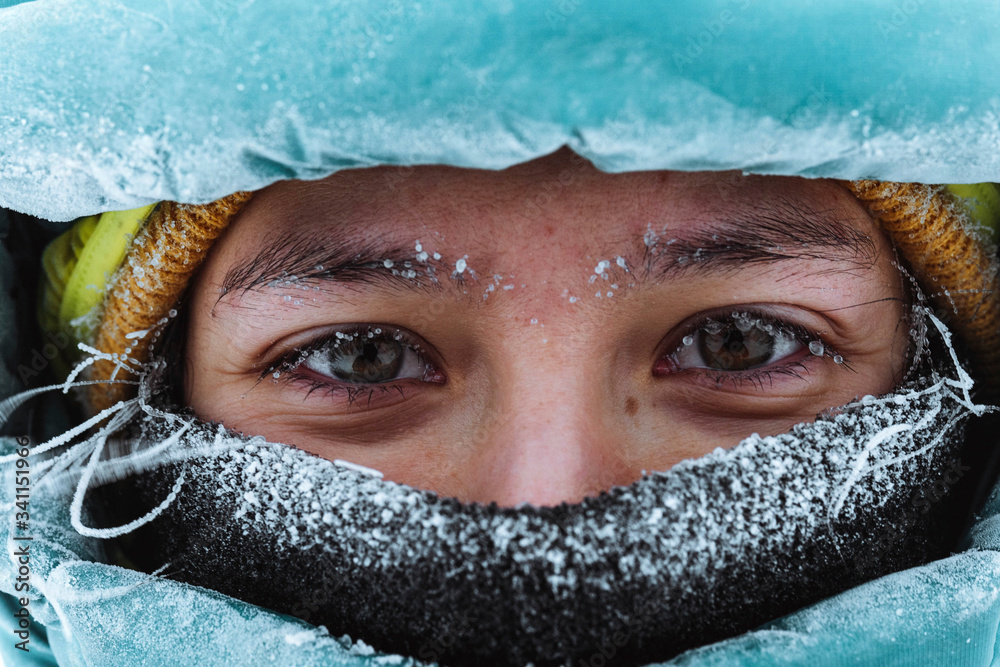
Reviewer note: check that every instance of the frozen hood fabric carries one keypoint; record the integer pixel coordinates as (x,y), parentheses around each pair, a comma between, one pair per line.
(112,104)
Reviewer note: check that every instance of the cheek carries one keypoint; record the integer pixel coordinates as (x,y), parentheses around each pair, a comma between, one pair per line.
(197,384)
(896,328)
(217,397)
(207,351)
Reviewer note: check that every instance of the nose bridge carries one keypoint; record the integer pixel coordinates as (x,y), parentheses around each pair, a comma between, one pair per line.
(549,440)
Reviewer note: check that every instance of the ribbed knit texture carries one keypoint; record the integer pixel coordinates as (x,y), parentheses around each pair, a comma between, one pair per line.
(160,262)
(932,233)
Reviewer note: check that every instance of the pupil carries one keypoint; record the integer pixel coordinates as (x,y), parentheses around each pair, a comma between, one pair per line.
(731,349)
(734,345)
(373,360)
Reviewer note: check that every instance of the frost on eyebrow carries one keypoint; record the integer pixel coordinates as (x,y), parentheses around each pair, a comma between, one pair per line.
(755,234)
(778,230)
(292,258)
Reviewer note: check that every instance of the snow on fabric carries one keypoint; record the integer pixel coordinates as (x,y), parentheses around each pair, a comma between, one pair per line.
(110,104)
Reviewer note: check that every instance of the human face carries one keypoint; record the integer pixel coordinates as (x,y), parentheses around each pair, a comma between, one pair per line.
(541,333)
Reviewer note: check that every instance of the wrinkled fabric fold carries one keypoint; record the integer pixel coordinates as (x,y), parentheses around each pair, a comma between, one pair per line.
(189,102)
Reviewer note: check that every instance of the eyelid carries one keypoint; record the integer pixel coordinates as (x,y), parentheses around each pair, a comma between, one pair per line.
(291,359)
(780,345)
(673,342)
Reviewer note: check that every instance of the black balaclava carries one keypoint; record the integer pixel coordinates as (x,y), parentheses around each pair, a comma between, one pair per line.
(708,549)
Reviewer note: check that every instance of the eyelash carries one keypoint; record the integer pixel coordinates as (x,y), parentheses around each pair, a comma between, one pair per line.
(355,394)
(757,376)
(284,369)
(754,377)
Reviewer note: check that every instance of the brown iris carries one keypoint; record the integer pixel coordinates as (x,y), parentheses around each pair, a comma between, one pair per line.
(731,349)
(367,360)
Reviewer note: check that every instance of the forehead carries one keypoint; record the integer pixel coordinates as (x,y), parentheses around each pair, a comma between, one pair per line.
(556,204)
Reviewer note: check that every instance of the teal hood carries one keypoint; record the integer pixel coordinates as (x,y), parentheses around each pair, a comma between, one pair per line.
(111,105)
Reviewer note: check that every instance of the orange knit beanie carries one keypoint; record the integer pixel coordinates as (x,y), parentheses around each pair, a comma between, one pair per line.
(954,261)
(159,263)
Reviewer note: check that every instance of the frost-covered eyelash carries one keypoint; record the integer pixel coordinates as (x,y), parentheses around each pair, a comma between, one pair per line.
(291,360)
(721,321)
(284,369)
(756,377)
(816,344)
(355,394)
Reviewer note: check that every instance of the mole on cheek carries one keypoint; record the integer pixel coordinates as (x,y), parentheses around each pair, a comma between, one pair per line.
(631,406)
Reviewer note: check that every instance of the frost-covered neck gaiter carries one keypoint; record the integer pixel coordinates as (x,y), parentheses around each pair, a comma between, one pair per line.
(708,549)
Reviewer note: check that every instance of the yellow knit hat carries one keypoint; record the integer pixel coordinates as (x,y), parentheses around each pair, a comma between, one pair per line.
(945,233)
(113,278)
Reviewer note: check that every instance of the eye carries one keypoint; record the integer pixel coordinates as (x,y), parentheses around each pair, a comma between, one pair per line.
(362,355)
(366,359)
(739,341)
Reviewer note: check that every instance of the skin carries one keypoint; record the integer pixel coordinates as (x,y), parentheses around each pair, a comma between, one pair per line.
(541,393)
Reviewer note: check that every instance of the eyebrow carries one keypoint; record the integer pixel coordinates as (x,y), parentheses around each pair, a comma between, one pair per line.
(776,231)
(780,230)
(333,256)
